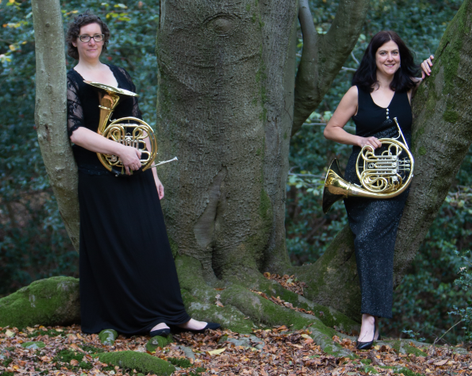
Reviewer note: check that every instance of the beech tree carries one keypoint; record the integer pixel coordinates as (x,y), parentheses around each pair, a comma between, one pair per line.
(228,102)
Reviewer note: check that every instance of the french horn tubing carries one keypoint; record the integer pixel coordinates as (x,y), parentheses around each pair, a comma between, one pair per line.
(383,175)
(129,131)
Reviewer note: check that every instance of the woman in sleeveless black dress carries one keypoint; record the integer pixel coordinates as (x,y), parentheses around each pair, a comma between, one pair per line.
(381,91)
(128,280)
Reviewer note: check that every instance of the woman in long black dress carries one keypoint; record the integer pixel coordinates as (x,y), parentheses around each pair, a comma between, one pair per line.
(128,280)
(381,91)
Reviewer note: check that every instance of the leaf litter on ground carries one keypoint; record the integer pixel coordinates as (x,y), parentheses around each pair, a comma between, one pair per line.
(275,351)
(65,351)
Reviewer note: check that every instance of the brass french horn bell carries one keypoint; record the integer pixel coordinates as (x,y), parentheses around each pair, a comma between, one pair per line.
(382,176)
(129,131)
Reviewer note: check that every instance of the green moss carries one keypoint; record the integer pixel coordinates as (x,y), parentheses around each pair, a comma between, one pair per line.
(91,349)
(451,48)
(422,150)
(328,316)
(174,247)
(141,362)
(49,302)
(406,372)
(64,357)
(180,362)
(108,336)
(35,345)
(190,273)
(199,299)
(403,347)
(7,362)
(451,116)
(263,311)
(159,341)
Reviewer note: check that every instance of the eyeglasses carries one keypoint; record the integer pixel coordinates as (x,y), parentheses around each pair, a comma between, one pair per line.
(86,38)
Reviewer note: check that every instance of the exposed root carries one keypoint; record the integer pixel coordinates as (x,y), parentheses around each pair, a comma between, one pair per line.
(255,303)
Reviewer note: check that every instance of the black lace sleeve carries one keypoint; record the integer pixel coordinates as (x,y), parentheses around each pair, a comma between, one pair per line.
(75,113)
(136,112)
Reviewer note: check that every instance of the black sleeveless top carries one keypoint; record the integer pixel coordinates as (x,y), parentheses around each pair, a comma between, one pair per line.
(373,120)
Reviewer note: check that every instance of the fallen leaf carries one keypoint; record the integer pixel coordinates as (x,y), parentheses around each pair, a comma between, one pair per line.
(217,351)
(9,333)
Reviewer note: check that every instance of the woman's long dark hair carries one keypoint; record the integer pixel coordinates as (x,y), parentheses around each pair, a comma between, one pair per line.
(366,75)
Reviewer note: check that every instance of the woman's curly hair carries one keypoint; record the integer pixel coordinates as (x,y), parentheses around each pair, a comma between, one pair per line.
(73,32)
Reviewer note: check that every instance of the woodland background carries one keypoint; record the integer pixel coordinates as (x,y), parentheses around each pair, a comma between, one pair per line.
(34,243)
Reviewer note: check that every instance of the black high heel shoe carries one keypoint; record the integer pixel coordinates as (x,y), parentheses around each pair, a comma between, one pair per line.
(367,345)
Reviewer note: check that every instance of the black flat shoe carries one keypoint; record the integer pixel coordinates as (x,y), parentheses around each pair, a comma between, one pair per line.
(160,332)
(209,325)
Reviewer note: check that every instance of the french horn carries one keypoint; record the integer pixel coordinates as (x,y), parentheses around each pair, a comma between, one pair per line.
(129,131)
(382,176)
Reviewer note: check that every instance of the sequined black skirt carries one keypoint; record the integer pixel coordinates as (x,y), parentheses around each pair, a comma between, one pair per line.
(374,223)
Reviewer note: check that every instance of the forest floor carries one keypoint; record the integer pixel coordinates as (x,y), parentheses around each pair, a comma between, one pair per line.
(276,351)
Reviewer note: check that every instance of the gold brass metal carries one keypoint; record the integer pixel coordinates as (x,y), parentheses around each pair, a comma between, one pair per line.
(382,176)
(129,131)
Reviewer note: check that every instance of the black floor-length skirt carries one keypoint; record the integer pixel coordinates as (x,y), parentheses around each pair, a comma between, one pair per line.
(374,223)
(128,280)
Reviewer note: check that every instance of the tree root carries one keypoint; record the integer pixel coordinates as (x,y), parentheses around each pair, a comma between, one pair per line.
(235,305)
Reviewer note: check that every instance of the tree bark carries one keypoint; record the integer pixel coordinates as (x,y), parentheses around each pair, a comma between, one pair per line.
(225,104)
(442,134)
(324,55)
(51,114)
(225,108)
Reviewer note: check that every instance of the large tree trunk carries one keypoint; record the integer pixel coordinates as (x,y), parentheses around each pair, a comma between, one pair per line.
(50,111)
(442,134)
(226,102)
(225,112)
(225,108)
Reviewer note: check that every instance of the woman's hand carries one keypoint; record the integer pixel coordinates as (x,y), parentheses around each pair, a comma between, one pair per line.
(426,66)
(159,186)
(369,141)
(130,158)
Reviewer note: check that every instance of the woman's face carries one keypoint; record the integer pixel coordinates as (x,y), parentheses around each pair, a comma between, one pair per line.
(90,50)
(387,58)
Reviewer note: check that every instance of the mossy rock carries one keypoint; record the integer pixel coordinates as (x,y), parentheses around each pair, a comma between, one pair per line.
(404,347)
(158,341)
(49,302)
(141,362)
(33,345)
(108,336)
